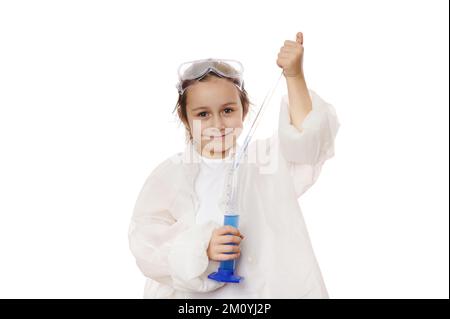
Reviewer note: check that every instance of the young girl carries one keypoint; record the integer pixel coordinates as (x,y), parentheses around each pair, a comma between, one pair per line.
(176,232)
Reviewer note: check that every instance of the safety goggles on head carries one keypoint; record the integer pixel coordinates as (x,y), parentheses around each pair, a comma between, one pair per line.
(196,70)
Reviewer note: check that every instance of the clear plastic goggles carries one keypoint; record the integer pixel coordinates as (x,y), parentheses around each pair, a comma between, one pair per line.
(196,70)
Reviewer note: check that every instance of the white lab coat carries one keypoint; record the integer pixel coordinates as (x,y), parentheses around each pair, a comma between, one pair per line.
(277,259)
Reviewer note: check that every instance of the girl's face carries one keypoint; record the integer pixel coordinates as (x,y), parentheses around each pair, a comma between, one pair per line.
(215,114)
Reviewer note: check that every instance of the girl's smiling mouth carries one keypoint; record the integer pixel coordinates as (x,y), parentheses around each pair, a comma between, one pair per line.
(218,136)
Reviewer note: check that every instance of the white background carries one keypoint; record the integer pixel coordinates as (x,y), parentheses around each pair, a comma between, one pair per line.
(86,94)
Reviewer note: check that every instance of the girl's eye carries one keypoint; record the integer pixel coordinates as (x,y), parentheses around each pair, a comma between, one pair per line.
(202,114)
(227,111)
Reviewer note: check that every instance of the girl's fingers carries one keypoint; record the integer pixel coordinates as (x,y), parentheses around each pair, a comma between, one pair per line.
(290,43)
(284,56)
(225,230)
(289,50)
(225,239)
(228,230)
(228,248)
(223,257)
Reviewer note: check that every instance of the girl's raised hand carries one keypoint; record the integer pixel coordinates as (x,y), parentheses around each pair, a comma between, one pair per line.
(218,247)
(290,57)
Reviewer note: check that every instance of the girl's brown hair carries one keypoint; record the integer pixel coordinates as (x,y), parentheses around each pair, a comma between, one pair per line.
(182,98)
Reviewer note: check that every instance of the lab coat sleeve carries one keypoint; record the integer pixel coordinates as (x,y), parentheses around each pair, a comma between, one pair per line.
(166,250)
(306,150)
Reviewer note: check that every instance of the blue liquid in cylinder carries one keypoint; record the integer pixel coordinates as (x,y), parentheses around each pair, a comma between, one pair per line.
(226,268)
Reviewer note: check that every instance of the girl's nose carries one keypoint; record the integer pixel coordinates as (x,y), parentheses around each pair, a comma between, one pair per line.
(219,123)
